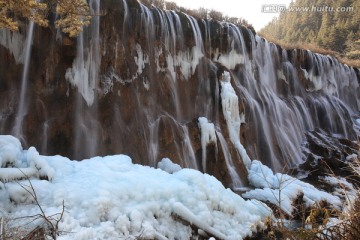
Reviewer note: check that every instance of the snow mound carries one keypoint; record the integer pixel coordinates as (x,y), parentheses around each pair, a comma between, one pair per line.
(282,189)
(112,198)
(18,164)
(10,147)
(168,166)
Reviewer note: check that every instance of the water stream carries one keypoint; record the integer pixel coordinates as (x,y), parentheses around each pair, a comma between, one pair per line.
(22,105)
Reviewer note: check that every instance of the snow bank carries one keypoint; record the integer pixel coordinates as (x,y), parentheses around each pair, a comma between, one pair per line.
(17,164)
(111,198)
(282,189)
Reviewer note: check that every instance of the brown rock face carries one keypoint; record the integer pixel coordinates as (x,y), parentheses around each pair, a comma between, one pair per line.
(137,80)
(329,155)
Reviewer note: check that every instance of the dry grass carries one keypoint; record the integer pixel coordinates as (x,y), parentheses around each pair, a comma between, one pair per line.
(345,228)
(318,222)
(350,62)
(314,48)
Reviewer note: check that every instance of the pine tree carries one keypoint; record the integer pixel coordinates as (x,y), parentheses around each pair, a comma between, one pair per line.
(333,30)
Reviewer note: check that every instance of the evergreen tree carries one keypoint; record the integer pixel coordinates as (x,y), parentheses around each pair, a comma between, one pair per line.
(336,30)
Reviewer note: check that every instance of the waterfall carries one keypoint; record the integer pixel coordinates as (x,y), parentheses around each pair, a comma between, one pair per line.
(138,79)
(236,181)
(126,16)
(153,142)
(84,75)
(22,105)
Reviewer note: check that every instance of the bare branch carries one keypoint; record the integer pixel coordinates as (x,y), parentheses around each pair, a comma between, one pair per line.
(52,223)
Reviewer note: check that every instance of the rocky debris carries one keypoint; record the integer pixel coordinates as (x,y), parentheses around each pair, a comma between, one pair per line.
(328,155)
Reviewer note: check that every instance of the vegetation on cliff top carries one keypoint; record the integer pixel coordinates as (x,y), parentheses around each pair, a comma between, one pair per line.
(202,13)
(72,14)
(319,25)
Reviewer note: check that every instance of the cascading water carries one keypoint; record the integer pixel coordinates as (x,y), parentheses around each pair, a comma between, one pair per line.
(84,74)
(22,105)
(140,79)
(236,182)
(125,21)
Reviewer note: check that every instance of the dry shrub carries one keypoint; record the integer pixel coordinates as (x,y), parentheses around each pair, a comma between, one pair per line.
(320,222)
(347,228)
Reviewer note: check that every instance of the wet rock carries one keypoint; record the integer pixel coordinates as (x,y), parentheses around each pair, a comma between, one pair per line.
(327,155)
